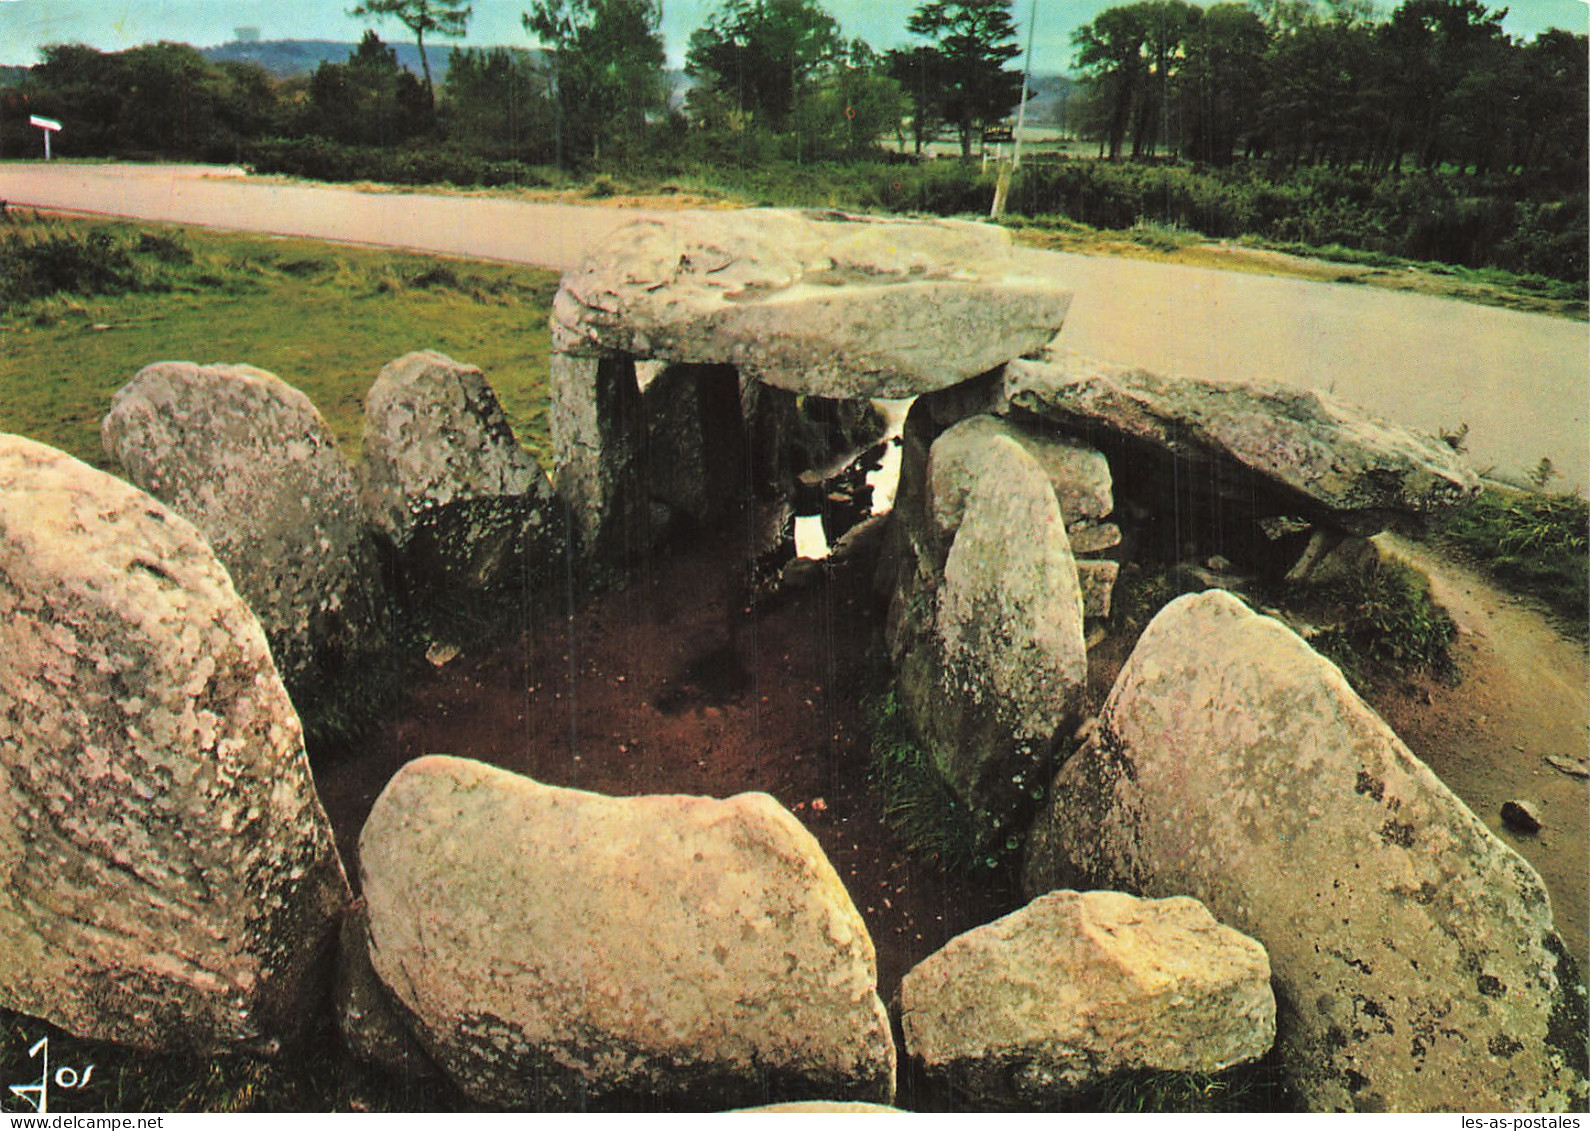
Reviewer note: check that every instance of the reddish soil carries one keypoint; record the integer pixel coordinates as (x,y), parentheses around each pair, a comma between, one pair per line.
(673,684)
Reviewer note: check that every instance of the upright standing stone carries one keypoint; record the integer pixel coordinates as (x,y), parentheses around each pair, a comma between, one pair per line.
(170,877)
(1415,961)
(446,481)
(248,460)
(598,443)
(695,440)
(987,628)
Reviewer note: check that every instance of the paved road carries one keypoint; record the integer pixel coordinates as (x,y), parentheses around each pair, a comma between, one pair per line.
(1520,381)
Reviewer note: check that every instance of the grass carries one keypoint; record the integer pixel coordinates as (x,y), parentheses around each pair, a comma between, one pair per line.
(1384,625)
(1531,542)
(917,804)
(323,318)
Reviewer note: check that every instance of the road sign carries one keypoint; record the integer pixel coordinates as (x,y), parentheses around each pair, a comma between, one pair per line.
(49,126)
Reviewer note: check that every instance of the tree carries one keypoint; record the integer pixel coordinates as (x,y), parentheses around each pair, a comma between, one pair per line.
(1222,80)
(370,99)
(497,102)
(1323,99)
(762,54)
(448,18)
(1438,44)
(1110,51)
(976,38)
(845,112)
(920,73)
(608,69)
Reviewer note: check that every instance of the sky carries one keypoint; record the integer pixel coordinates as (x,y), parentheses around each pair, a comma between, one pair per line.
(26,25)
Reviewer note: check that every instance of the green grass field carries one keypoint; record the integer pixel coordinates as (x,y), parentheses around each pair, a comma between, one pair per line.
(324,318)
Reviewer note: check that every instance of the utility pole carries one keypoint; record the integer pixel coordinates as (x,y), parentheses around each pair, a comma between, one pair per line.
(1002,188)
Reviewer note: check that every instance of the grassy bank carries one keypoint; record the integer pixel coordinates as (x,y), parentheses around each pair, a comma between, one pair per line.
(1531,543)
(85,305)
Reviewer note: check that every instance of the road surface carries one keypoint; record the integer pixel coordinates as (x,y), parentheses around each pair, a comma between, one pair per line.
(1520,381)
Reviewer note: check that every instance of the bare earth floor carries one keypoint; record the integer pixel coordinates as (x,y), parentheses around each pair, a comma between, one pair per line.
(670,686)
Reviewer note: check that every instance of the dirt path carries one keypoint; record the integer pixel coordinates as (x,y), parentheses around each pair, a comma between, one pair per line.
(1524,696)
(1518,380)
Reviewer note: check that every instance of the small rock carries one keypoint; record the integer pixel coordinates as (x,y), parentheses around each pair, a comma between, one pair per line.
(1573,767)
(1077,986)
(1520,816)
(439,655)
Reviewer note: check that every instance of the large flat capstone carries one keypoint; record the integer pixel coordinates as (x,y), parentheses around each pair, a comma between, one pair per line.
(556,948)
(167,874)
(820,303)
(1415,960)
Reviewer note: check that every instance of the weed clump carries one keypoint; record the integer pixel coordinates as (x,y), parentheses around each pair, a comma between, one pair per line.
(917,803)
(40,261)
(1390,625)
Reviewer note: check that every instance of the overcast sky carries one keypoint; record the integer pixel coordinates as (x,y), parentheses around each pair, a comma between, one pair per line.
(25,25)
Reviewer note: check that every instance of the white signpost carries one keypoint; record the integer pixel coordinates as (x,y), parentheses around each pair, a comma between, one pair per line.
(49,126)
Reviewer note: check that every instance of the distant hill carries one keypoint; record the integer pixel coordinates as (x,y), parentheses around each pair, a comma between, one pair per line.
(10,76)
(284,58)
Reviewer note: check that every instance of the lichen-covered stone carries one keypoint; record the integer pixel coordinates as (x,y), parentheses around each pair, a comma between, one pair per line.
(1092,537)
(1319,458)
(986,628)
(1079,476)
(556,948)
(248,460)
(170,877)
(1414,954)
(1097,578)
(446,481)
(1075,987)
(598,424)
(695,456)
(813,302)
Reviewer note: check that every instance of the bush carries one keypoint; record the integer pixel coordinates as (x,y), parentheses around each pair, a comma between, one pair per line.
(1392,626)
(1469,221)
(38,262)
(317,159)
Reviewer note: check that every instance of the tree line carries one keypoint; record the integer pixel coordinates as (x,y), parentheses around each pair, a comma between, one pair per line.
(1429,132)
(768,80)
(1438,83)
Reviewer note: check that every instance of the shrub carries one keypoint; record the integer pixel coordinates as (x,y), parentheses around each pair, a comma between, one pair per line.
(1391,625)
(39,262)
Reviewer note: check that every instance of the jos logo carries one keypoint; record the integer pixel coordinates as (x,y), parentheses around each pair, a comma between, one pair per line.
(38,1094)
